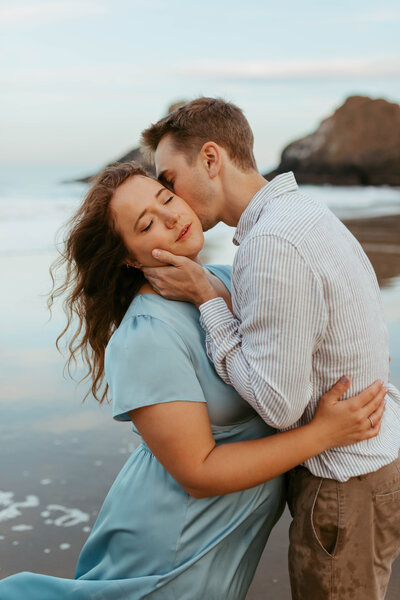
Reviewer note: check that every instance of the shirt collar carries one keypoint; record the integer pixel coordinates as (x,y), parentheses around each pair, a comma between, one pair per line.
(280,185)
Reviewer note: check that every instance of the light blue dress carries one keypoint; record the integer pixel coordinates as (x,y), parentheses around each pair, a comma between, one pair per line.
(151,539)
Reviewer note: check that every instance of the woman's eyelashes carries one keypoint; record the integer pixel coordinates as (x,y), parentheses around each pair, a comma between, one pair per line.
(151,222)
(148,226)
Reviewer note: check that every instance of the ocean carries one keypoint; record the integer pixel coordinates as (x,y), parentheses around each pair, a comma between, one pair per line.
(58,456)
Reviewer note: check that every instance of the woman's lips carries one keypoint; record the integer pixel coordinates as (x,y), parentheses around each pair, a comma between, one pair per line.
(184,232)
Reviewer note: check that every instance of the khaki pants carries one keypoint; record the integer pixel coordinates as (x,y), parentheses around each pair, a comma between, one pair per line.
(344,536)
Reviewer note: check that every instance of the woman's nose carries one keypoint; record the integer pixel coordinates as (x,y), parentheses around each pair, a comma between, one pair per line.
(170,219)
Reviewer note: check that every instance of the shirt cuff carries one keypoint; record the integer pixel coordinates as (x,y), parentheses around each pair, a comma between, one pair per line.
(214,313)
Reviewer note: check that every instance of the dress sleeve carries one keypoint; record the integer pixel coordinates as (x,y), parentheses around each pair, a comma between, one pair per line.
(147,362)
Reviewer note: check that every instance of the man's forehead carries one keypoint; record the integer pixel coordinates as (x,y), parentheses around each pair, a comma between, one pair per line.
(164,154)
(168,158)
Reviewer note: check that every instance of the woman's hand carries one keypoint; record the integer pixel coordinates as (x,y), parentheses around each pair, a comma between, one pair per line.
(344,422)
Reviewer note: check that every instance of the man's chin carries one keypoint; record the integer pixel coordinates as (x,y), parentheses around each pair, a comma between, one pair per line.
(206,225)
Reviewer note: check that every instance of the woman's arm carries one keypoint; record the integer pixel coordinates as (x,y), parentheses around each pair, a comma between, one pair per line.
(179,435)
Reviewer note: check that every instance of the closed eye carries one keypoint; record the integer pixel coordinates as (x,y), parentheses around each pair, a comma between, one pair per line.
(169,200)
(148,226)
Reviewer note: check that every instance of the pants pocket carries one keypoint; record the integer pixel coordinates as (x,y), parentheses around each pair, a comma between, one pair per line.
(387,519)
(325,516)
(388,497)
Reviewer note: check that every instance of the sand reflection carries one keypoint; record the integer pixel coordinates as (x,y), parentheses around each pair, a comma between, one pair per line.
(380,239)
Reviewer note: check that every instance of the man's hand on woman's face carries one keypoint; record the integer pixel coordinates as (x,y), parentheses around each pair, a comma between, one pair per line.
(180,278)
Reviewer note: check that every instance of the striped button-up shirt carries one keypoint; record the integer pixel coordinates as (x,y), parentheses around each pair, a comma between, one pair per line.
(307,310)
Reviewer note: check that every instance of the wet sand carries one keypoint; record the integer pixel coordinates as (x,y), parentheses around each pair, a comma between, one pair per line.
(380,239)
(58,458)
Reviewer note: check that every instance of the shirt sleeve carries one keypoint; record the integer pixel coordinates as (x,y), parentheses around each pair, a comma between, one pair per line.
(147,362)
(267,355)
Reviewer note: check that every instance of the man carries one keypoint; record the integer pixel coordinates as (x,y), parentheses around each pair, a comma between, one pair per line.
(306,308)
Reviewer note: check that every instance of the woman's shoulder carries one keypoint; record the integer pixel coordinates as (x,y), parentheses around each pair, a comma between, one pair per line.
(151,319)
(143,313)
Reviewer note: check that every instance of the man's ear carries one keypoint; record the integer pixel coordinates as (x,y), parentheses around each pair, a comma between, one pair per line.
(212,158)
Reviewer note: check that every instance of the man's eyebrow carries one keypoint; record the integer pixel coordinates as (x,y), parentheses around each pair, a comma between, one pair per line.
(160,191)
(162,178)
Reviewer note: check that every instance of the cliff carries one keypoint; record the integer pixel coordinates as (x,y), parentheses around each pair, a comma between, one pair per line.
(358,145)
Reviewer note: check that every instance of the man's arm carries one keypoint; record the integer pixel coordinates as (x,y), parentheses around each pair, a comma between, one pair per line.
(267,355)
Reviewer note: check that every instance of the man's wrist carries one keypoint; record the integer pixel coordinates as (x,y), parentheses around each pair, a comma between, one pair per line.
(215,316)
(205,294)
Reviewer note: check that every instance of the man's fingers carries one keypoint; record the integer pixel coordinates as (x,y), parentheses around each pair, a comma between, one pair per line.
(156,274)
(151,272)
(167,257)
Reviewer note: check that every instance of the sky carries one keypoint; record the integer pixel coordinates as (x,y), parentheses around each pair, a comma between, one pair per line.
(80,79)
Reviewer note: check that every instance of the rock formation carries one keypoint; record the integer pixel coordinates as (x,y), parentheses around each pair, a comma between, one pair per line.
(358,145)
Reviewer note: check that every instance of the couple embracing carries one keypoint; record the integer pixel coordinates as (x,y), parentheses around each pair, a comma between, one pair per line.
(232,378)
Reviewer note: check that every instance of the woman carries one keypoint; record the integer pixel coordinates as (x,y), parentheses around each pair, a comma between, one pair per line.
(190,512)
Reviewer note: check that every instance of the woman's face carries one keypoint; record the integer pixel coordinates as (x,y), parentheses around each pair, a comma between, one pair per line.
(149,216)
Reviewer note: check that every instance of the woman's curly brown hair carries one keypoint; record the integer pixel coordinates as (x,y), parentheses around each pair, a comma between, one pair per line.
(96,284)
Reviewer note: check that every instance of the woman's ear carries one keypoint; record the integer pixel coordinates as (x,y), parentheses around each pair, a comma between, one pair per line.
(211,155)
